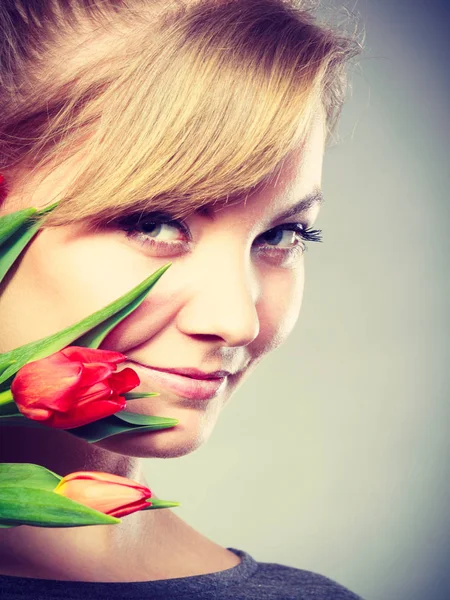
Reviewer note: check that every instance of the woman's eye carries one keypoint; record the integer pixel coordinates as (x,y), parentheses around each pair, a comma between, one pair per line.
(288,236)
(283,238)
(157,233)
(161,231)
(285,243)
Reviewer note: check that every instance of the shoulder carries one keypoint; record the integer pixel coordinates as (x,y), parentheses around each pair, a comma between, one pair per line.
(272,581)
(311,585)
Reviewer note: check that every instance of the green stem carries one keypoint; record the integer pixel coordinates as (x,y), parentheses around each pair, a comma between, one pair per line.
(48,209)
(6,397)
(135,395)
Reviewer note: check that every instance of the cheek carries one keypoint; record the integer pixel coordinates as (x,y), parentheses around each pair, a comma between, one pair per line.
(279,307)
(149,319)
(62,279)
(34,296)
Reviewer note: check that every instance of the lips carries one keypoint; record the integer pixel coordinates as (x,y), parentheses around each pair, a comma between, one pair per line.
(187,383)
(193,373)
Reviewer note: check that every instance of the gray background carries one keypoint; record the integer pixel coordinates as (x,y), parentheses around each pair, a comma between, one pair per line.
(334,456)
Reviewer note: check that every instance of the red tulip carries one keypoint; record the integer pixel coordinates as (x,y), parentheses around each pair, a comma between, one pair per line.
(110,494)
(73,387)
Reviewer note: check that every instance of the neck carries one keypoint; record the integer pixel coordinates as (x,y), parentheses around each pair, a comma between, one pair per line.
(146,545)
(88,550)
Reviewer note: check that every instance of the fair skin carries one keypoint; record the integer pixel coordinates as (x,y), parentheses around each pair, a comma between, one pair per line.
(228,299)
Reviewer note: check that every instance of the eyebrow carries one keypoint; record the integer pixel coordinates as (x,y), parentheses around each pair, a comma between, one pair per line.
(315,197)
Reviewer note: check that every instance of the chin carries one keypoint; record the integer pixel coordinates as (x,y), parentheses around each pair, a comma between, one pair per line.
(177,441)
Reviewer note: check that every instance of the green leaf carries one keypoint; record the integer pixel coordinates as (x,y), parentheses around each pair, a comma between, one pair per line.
(16,230)
(10,223)
(4,366)
(9,410)
(48,209)
(19,420)
(97,324)
(96,335)
(43,508)
(16,242)
(160,504)
(27,475)
(101,429)
(137,395)
(137,419)
(109,426)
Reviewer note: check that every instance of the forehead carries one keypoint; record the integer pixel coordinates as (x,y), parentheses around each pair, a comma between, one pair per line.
(297,176)
(301,170)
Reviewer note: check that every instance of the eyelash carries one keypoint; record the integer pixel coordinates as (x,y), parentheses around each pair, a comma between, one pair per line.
(131,223)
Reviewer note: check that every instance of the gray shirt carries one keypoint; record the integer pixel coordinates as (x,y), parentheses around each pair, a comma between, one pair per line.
(249,580)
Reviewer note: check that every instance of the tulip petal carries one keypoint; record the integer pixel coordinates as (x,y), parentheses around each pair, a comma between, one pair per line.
(87,355)
(124,381)
(94,372)
(47,383)
(98,391)
(103,476)
(102,496)
(78,415)
(105,492)
(37,414)
(130,508)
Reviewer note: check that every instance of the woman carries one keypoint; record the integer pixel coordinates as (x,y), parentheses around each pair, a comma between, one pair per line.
(193,133)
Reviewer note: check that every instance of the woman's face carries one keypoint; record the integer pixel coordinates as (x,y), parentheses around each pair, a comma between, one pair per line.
(232,294)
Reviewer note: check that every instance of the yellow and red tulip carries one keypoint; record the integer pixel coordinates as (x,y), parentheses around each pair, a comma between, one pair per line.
(110,494)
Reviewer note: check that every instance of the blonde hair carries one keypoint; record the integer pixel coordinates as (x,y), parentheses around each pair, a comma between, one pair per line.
(168,107)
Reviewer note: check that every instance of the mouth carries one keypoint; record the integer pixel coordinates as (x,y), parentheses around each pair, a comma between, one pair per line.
(186,383)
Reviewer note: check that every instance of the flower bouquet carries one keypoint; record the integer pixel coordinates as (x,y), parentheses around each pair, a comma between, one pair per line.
(65,381)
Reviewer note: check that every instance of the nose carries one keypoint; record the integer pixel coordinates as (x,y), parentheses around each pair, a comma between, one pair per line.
(221,303)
